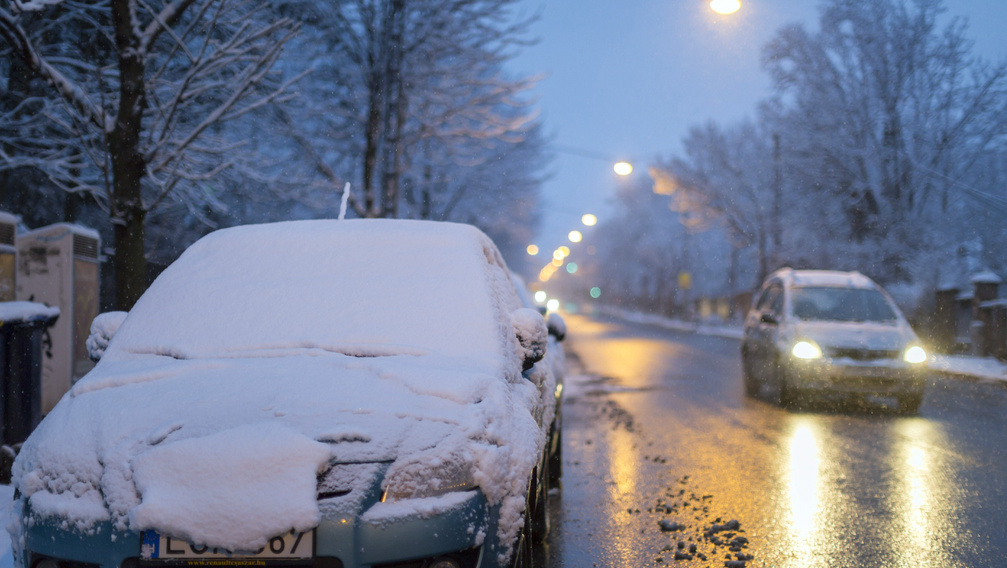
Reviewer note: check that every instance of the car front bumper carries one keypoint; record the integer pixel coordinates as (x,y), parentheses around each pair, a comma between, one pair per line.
(465,533)
(857,377)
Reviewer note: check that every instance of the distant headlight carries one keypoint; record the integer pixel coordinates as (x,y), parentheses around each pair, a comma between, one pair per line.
(915,354)
(806,350)
(439,480)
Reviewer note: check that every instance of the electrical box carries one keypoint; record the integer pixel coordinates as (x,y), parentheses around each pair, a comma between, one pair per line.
(8,256)
(57,265)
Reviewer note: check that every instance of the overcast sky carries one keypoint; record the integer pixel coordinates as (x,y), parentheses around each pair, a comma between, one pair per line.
(627,79)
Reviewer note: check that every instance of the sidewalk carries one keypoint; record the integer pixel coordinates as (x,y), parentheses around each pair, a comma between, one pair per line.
(964,367)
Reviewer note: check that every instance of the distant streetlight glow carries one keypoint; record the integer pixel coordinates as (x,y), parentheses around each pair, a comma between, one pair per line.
(553,305)
(589,220)
(572,268)
(623,168)
(575,236)
(541,296)
(558,254)
(565,250)
(725,6)
(595,292)
(532,250)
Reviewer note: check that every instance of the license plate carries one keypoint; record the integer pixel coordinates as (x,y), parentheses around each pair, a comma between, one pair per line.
(291,546)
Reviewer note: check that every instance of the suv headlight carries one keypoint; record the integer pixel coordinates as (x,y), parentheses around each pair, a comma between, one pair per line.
(915,354)
(440,479)
(806,349)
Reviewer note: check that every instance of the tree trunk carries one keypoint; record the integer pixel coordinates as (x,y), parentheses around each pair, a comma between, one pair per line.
(397,111)
(372,135)
(123,140)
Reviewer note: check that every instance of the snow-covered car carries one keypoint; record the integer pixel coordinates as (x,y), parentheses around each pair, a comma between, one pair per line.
(312,393)
(824,331)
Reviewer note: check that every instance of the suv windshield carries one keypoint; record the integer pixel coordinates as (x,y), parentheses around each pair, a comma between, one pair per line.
(841,304)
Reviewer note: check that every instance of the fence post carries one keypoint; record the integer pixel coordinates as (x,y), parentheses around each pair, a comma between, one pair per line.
(944,320)
(985,286)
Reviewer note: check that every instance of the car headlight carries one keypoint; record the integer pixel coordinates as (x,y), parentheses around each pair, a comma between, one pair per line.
(806,350)
(417,483)
(915,354)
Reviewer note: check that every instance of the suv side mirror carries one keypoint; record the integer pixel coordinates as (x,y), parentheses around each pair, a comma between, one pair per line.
(556,326)
(532,335)
(103,329)
(769,317)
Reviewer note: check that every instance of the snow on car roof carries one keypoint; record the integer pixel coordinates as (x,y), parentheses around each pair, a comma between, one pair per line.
(364,287)
(833,278)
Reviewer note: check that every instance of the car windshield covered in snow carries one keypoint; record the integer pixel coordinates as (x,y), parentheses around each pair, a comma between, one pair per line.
(828,303)
(263,291)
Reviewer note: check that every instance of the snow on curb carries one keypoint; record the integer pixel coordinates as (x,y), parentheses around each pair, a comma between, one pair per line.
(987,369)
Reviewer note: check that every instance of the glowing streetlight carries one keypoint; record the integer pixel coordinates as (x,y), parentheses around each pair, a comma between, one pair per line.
(589,220)
(558,254)
(575,236)
(565,250)
(532,250)
(725,6)
(623,168)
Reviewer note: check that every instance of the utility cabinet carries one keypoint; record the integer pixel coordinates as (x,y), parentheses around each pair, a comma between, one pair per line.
(8,256)
(57,266)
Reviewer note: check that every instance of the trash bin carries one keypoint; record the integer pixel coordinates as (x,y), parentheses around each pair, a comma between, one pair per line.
(22,326)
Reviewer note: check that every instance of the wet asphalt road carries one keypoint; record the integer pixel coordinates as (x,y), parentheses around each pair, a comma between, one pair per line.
(657,430)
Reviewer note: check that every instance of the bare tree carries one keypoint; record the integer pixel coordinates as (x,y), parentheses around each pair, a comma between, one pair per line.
(140,119)
(726,176)
(887,111)
(413,88)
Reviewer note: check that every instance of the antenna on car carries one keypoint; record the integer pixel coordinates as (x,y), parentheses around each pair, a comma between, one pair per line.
(344,201)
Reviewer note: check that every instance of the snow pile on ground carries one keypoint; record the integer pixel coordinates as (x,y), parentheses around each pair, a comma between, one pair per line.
(704,328)
(295,344)
(981,368)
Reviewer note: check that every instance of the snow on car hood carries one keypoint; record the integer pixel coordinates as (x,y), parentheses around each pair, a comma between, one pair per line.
(856,335)
(226,452)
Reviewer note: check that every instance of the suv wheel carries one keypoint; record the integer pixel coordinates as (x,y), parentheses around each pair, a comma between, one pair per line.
(788,394)
(751,383)
(910,403)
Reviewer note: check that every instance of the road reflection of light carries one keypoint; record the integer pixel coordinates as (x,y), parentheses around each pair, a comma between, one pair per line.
(624,472)
(638,359)
(920,493)
(803,487)
(624,466)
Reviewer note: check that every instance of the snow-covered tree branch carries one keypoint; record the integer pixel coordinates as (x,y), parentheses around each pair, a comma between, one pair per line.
(129,101)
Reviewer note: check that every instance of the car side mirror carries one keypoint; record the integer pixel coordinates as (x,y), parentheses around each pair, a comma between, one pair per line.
(769,317)
(103,329)
(556,326)
(532,336)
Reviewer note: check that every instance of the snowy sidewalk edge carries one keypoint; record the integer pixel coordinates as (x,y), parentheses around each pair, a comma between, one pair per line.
(960,367)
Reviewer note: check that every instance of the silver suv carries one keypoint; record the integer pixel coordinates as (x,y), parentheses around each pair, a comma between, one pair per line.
(814,331)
